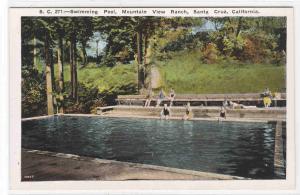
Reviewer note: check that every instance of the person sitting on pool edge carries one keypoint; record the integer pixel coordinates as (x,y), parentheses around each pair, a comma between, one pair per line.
(266,92)
(148,98)
(160,98)
(172,96)
(226,103)
(267,95)
(188,112)
(267,101)
(165,113)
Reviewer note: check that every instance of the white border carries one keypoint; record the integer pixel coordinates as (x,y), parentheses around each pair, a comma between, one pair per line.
(264,185)
(147,3)
(4,109)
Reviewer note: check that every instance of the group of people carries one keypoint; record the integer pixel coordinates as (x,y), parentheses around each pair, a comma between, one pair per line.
(229,104)
(161,96)
(166,112)
(266,95)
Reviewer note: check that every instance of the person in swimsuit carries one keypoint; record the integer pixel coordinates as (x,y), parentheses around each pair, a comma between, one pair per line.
(266,92)
(223,112)
(165,113)
(188,112)
(148,98)
(225,103)
(234,105)
(267,95)
(172,96)
(161,97)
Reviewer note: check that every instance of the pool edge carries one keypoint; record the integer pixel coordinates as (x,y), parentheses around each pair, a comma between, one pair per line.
(154,117)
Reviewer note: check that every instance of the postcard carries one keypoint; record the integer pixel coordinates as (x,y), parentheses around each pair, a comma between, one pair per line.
(140,98)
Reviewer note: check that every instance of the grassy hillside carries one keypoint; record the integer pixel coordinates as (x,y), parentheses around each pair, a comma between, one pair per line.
(186,74)
(104,78)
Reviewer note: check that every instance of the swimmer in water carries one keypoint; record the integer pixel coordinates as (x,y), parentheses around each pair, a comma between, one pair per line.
(165,113)
(188,112)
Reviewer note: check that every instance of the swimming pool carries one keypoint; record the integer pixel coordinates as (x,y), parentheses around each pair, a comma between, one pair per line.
(234,148)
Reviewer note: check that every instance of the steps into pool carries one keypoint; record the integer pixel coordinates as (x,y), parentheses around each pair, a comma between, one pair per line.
(249,99)
(199,112)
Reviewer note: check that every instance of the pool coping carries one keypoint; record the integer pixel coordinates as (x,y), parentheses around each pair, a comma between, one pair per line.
(228,119)
(213,176)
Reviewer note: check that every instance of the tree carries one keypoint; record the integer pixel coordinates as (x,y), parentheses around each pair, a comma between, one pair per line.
(48,75)
(71,34)
(127,37)
(74,64)
(60,24)
(27,33)
(46,34)
(146,28)
(85,31)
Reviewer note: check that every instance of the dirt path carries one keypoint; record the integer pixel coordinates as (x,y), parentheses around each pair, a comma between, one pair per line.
(155,77)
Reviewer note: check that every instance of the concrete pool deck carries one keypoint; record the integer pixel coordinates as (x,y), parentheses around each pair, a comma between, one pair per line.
(199,113)
(262,115)
(49,166)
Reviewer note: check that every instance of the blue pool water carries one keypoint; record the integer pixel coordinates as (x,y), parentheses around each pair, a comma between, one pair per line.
(234,148)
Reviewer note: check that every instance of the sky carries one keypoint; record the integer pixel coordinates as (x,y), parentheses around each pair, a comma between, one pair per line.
(92,44)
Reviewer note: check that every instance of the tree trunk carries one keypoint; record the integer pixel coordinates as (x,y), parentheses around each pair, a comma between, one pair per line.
(140,47)
(71,67)
(52,68)
(48,77)
(146,44)
(146,59)
(74,68)
(34,53)
(75,72)
(70,52)
(84,55)
(239,27)
(60,73)
(140,59)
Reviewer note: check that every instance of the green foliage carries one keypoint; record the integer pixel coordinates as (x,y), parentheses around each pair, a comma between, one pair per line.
(210,54)
(121,34)
(33,92)
(96,87)
(99,86)
(182,42)
(109,60)
(119,79)
(260,48)
(89,98)
(253,40)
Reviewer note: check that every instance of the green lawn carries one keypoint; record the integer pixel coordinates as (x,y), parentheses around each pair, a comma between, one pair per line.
(186,74)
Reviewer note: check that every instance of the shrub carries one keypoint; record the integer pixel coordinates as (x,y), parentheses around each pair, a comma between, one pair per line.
(210,54)
(34,99)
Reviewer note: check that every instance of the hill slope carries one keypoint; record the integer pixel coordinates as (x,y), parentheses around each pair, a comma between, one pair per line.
(186,74)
